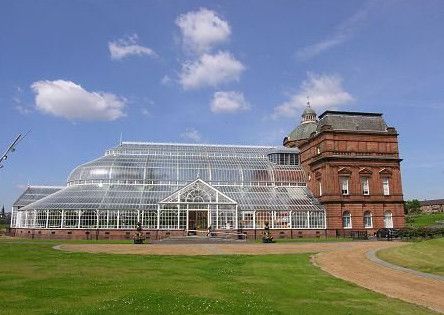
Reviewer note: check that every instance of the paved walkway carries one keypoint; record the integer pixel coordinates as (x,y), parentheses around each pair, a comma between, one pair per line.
(348,260)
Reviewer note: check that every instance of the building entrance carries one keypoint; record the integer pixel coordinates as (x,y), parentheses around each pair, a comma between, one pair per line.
(198,220)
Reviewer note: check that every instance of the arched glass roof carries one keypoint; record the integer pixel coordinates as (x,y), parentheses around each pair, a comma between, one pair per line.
(164,163)
(140,175)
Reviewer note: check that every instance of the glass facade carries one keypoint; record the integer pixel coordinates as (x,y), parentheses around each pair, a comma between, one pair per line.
(179,186)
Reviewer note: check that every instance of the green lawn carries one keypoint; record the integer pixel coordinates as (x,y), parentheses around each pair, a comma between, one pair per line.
(34,278)
(423,219)
(425,256)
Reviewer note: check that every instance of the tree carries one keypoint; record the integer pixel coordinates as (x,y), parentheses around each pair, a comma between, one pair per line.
(3,216)
(412,206)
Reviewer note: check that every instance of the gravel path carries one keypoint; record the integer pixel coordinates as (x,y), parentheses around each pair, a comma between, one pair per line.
(353,265)
(348,261)
(206,249)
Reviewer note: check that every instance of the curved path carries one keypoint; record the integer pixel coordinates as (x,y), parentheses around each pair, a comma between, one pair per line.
(348,260)
(354,265)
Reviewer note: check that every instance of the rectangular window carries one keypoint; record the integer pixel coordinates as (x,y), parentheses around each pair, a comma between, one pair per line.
(365,186)
(344,185)
(346,220)
(385,186)
(368,220)
(320,188)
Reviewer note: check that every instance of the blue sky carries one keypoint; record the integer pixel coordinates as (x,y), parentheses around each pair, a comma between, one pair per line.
(80,73)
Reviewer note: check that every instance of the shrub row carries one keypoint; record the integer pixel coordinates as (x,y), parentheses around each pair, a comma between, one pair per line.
(422,232)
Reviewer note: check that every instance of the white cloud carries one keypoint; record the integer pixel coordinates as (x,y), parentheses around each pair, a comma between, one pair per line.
(69,100)
(191,134)
(228,102)
(343,32)
(166,80)
(20,106)
(23,109)
(324,91)
(126,47)
(145,112)
(210,70)
(202,29)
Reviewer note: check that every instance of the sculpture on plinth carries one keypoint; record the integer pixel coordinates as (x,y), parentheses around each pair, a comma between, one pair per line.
(267,237)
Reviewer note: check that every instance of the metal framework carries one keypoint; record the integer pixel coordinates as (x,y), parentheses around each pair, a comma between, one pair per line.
(180,186)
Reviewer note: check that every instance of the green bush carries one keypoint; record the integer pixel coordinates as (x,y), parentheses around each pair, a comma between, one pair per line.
(421,232)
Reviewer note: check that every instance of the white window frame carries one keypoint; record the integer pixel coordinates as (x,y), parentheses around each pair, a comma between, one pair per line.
(386,186)
(368,214)
(388,219)
(365,185)
(346,220)
(344,180)
(320,188)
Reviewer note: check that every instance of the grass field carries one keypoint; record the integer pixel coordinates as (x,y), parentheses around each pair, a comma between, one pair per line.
(423,219)
(34,278)
(425,256)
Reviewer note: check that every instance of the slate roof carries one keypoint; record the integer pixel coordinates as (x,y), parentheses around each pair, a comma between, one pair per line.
(303,131)
(432,202)
(355,121)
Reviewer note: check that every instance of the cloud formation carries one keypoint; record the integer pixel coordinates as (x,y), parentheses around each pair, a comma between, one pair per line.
(342,32)
(191,134)
(126,47)
(19,105)
(202,29)
(325,91)
(229,102)
(69,100)
(210,70)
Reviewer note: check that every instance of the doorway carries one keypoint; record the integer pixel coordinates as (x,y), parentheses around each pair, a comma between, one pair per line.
(198,220)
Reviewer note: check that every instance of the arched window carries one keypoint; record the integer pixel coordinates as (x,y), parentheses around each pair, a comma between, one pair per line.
(388,219)
(368,221)
(346,220)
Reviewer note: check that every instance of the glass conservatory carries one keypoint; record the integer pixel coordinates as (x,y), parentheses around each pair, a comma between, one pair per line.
(180,187)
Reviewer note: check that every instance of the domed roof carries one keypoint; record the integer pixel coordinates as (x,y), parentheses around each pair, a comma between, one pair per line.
(303,131)
(308,111)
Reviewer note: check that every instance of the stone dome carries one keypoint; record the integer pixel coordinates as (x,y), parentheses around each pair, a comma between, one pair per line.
(308,111)
(303,131)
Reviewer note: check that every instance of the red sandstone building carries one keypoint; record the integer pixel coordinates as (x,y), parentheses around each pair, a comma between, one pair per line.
(353,167)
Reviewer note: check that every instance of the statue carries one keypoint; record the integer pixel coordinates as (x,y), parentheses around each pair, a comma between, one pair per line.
(138,237)
(267,237)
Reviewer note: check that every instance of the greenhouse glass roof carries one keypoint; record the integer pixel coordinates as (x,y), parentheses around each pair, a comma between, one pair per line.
(140,175)
(34,193)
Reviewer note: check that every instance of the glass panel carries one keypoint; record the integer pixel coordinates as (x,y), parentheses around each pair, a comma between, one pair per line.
(346,220)
(262,217)
(149,220)
(128,219)
(299,219)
